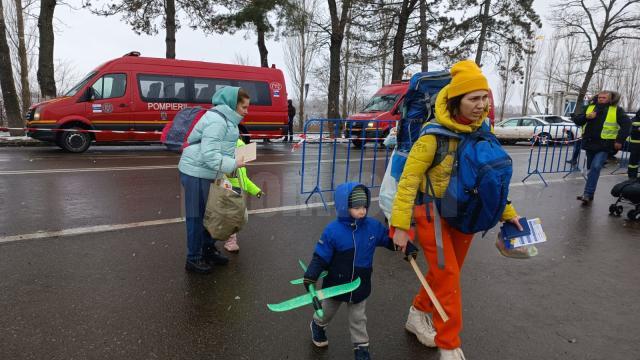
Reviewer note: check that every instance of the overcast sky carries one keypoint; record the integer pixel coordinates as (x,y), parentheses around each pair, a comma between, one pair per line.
(87,40)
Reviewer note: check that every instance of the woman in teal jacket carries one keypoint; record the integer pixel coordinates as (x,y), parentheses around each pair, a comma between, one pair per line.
(210,155)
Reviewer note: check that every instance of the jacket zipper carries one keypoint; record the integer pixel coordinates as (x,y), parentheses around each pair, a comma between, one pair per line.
(353,263)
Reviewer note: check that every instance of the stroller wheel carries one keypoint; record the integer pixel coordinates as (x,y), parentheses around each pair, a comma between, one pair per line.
(612,209)
(619,210)
(633,215)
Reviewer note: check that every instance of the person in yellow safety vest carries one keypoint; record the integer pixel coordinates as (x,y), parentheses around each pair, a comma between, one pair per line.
(605,127)
(634,147)
(241,181)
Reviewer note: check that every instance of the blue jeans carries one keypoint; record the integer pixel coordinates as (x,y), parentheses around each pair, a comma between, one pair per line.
(595,163)
(196,192)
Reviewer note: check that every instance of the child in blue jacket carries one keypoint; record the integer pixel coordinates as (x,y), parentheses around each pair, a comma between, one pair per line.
(346,250)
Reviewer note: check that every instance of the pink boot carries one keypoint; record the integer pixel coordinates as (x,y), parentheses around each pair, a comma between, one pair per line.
(231,245)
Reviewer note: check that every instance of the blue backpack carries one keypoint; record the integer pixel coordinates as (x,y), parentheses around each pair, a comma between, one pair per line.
(479,186)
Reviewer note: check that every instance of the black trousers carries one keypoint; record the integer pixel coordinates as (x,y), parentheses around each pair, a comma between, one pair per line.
(634,160)
(290,131)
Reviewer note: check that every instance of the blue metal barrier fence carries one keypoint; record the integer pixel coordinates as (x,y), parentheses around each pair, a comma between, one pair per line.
(556,149)
(347,150)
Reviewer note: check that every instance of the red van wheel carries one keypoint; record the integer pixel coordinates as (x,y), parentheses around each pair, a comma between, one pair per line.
(75,142)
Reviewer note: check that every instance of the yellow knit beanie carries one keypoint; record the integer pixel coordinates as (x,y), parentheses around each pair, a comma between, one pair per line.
(466,77)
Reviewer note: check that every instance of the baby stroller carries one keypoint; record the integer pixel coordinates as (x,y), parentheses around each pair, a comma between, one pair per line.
(626,192)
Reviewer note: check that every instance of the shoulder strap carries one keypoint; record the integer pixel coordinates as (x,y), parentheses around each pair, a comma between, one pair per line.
(219,113)
(442,135)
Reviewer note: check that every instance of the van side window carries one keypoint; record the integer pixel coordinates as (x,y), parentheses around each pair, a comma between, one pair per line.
(110,86)
(161,88)
(203,90)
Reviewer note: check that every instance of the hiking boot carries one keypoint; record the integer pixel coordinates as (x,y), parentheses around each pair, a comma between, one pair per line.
(231,245)
(586,199)
(199,266)
(318,336)
(455,354)
(361,352)
(419,324)
(212,256)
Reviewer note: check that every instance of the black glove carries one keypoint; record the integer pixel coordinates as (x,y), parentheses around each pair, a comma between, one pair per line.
(308,282)
(410,250)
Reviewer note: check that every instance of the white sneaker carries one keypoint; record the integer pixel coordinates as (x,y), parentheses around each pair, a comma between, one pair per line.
(455,354)
(419,324)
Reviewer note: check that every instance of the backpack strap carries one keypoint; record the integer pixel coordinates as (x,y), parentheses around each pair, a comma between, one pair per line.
(442,135)
(214,111)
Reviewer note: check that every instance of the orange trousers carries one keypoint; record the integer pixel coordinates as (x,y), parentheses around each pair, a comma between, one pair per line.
(445,283)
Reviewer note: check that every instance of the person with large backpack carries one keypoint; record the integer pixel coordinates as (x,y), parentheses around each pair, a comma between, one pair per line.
(210,155)
(454,183)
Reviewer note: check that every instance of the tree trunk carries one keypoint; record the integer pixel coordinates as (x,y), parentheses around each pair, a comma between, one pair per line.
(527,83)
(345,81)
(505,84)
(9,95)
(24,64)
(398,41)
(302,66)
(335,45)
(424,51)
(587,79)
(262,47)
(170,40)
(483,30)
(46,79)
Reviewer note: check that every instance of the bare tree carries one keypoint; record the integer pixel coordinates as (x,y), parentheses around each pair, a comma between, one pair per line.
(46,77)
(301,49)
(408,6)
(631,76)
(424,50)
(338,24)
(66,76)
(508,70)
(599,24)
(533,52)
(550,69)
(9,95)
(242,59)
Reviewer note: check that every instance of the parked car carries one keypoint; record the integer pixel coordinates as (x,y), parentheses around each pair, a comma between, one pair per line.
(554,119)
(512,130)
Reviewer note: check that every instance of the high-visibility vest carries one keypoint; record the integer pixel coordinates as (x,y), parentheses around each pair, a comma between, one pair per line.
(610,128)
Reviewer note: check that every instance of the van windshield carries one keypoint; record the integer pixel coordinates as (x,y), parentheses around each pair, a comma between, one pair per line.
(381,103)
(74,90)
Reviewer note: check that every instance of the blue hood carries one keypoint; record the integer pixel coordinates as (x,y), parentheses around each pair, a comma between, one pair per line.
(341,199)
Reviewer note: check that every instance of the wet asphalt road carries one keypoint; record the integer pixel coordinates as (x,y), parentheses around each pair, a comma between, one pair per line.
(123,294)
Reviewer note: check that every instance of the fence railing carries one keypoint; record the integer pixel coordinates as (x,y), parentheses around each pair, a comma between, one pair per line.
(337,150)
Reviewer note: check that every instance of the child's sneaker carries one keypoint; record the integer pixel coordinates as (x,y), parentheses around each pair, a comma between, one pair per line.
(318,336)
(455,354)
(231,245)
(419,324)
(361,352)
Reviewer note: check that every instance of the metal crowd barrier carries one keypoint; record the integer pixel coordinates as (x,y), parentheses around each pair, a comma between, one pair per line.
(335,151)
(556,149)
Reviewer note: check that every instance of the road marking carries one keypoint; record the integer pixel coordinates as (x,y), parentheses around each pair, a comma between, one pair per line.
(115,227)
(87,230)
(158,167)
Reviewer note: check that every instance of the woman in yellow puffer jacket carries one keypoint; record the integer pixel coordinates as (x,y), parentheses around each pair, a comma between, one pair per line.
(461,106)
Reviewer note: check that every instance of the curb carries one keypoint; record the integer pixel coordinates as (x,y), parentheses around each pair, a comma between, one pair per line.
(24,143)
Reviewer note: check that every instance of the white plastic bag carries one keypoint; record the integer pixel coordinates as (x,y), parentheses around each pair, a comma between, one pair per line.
(388,190)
